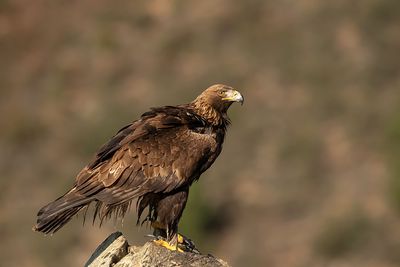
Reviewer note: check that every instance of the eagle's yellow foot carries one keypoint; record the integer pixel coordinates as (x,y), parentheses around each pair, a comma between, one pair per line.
(167,245)
(186,244)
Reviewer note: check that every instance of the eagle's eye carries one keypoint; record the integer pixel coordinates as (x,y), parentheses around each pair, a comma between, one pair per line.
(221,92)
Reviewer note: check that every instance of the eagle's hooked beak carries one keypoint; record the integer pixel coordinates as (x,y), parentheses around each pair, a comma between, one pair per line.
(234,96)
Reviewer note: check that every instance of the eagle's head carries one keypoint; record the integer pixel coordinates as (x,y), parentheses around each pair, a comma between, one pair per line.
(220,97)
(214,102)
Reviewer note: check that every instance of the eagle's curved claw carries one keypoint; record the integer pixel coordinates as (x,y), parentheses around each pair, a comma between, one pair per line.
(186,244)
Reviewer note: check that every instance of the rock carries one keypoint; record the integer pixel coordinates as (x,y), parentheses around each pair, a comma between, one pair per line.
(115,251)
(111,251)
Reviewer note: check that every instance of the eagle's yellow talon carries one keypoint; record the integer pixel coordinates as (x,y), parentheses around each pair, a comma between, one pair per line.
(167,245)
(180,239)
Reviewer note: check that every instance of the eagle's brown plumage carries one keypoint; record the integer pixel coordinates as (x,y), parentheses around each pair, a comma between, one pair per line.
(154,160)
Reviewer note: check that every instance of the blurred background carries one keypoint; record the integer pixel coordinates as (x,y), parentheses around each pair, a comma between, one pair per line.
(310,171)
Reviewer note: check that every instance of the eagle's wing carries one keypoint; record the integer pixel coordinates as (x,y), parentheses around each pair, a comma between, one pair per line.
(158,153)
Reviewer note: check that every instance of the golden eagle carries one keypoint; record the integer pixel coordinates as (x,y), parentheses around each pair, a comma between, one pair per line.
(154,159)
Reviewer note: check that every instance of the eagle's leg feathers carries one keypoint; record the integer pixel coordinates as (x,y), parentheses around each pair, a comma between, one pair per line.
(158,225)
(160,230)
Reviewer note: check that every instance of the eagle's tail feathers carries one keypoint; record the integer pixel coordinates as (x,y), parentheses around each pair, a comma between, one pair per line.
(56,214)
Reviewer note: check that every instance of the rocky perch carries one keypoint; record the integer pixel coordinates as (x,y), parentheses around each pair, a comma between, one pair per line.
(115,251)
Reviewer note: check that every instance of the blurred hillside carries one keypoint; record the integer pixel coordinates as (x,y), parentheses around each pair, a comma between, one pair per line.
(309,174)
